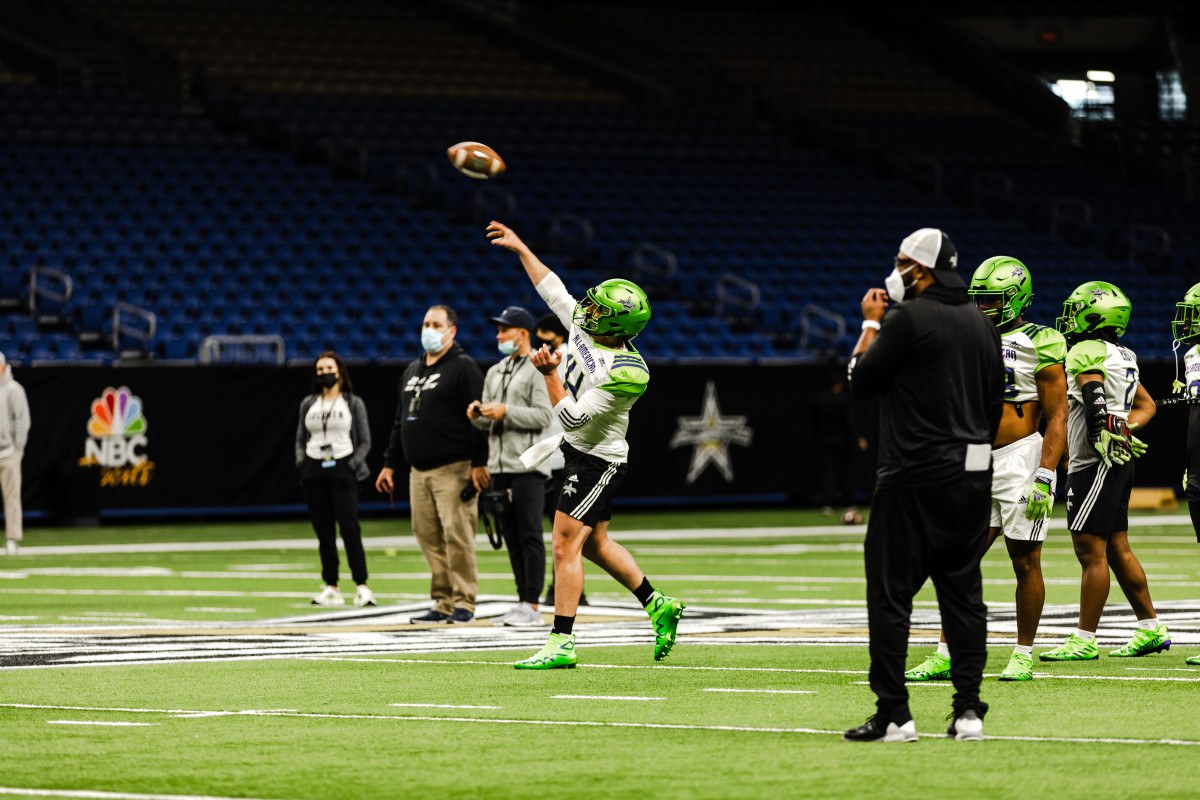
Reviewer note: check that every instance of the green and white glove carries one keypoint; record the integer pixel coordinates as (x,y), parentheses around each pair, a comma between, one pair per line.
(1041,495)
(1112,442)
(1138,447)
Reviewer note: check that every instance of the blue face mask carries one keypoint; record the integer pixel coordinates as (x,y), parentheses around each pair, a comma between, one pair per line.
(508,347)
(431,340)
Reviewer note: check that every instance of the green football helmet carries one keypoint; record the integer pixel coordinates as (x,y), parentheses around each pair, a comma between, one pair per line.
(1006,279)
(1094,306)
(616,307)
(1186,326)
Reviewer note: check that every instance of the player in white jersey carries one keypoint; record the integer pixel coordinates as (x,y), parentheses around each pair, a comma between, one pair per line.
(1023,465)
(1186,330)
(593,382)
(1107,403)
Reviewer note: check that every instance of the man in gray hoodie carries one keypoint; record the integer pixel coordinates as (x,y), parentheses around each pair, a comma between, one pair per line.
(14,432)
(515,411)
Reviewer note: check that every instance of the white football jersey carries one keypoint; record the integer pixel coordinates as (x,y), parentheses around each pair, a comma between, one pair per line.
(602,384)
(1027,350)
(1119,370)
(1191,372)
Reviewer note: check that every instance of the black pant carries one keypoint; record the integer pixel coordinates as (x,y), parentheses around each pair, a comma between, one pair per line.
(333,498)
(554,486)
(523,531)
(914,534)
(1194,510)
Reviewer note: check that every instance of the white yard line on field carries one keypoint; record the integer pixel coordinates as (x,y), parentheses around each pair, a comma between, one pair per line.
(98,722)
(590,724)
(85,794)
(762,691)
(601,697)
(409,543)
(435,705)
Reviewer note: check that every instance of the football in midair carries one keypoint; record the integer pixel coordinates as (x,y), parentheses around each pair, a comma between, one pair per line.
(475,160)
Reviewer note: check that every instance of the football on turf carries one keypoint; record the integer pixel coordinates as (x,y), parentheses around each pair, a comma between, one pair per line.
(475,160)
(852,518)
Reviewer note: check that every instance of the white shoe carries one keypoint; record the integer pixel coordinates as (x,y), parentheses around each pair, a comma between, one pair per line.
(364,596)
(967,728)
(901,733)
(510,615)
(524,616)
(10,547)
(329,596)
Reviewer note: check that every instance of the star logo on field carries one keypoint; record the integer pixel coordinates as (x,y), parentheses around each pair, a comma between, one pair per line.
(711,434)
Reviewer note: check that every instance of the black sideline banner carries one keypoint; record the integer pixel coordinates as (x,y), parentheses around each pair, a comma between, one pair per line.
(221,438)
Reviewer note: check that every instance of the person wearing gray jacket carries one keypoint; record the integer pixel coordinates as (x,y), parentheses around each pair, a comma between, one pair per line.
(14,432)
(333,438)
(515,411)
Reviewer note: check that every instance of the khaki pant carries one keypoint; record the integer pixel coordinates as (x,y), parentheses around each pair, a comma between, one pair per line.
(10,487)
(445,527)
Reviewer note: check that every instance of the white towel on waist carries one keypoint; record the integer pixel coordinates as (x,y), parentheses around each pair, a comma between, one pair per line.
(535,455)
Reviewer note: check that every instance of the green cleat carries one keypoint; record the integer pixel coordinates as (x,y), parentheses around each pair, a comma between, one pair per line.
(934,668)
(664,614)
(1194,661)
(1144,643)
(559,653)
(1073,649)
(1020,668)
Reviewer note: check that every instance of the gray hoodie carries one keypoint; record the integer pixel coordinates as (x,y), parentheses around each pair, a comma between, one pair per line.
(14,415)
(516,383)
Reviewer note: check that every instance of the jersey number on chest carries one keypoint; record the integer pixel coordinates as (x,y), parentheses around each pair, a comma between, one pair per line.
(572,384)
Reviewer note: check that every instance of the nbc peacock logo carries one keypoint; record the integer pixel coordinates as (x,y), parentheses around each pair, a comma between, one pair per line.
(117,439)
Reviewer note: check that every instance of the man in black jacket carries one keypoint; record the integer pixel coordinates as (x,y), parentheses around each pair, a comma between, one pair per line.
(448,457)
(934,361)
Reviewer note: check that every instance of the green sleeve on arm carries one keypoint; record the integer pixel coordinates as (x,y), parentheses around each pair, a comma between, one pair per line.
(1087,356)
(627,381)
(1051,348)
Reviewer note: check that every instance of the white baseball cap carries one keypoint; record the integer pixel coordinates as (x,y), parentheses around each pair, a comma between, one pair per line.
(932,249)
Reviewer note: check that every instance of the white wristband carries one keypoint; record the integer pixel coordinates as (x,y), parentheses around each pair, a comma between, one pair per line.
(870,323)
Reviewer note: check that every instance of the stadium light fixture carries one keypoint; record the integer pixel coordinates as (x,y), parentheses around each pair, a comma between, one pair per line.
(1100,76)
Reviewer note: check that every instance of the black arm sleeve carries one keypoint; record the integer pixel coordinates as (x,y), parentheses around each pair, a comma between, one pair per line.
(472,388)
(1096,405)
(872,372)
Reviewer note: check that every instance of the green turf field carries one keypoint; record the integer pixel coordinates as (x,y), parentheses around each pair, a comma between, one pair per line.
(137,664)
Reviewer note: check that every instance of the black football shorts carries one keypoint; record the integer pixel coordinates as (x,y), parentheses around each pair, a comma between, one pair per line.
(1098,499)
(589,483)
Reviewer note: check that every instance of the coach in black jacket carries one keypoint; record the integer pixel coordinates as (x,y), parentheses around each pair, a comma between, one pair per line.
(448,457)
(935,364)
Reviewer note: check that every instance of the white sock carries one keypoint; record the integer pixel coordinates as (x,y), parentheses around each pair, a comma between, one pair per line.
(1025,650)
(1086,635)
(943,649)
(1148,624)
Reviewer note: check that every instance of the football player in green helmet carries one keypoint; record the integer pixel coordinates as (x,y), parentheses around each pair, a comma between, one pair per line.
(1186,330)
(593,384)
(1023,463)
(1107,402)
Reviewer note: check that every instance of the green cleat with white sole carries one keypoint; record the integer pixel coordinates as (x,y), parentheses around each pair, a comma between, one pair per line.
(665,613)
(1020,668)
(1073,649)
(559,653)
(1194,661)
(934,668)
(1145,643)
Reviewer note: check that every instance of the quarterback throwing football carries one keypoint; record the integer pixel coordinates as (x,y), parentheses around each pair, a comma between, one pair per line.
(593,382)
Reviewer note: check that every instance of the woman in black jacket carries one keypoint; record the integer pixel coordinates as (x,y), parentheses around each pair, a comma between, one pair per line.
(332,442)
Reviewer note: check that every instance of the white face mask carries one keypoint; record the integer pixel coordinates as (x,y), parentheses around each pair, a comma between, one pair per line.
(894,283)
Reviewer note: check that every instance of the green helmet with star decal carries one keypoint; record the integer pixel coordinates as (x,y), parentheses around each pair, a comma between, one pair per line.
(1186,326)
(616,307)
(1092,307)
(1006,279)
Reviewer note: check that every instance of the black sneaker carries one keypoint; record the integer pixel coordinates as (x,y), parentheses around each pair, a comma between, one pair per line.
(460,616)
(432,615)
(876,730)
(968,727)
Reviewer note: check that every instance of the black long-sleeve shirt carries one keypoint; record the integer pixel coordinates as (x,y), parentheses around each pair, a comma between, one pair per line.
(435,430)
(936,365)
